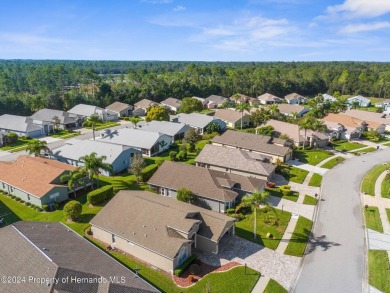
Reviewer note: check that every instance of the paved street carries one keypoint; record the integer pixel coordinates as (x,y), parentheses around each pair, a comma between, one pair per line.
(337,251)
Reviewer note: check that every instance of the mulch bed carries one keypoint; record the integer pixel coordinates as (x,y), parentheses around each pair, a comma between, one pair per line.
(184,281)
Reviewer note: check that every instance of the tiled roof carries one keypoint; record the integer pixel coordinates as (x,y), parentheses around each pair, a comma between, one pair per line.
(47,115)
(289,108)
(33,175)
(195,119)
(156,221)
(349,121)
(235,159)
(216,99)
(85,110)
(229,115)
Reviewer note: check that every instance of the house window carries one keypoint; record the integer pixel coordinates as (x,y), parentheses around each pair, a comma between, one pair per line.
(162,191)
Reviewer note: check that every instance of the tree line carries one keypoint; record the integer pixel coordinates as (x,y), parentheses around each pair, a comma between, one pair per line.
(29,85)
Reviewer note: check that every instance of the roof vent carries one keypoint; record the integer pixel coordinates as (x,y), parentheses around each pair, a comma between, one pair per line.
(146,235)
(133,233)
(155,229)
(47,226)
(44,248)
(144,226)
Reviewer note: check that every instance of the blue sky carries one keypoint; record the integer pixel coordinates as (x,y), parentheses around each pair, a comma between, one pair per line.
(209,30)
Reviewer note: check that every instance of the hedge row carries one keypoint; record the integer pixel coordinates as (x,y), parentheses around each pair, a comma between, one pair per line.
(148,172)
(100,195)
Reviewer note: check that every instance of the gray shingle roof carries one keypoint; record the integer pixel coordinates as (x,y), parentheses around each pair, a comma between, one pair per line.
(131,137)
(48,114)
(118,107)
(52,249)
(254,142)
(216,99)
(235,159)
(165,127)
(195,119)
(145,103)
(229,115)
(17,123)
(157,217)
(291,108)
(85,110)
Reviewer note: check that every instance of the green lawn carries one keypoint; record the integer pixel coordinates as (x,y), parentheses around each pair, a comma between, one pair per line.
(276,192)
(388,214)
(372,218)
(315,180)
(368,183)
(244,228)
(343,145)
(104,125)
(207,111)
(274,287)
(367,150)
(378,270)
(312,157)
(19,145)
(310,200)
(61,133)
(299,238)
(296,175)
(333,162)
(385,188)
(386,144)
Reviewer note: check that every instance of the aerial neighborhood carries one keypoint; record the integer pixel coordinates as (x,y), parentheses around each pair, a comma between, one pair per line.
(176,188)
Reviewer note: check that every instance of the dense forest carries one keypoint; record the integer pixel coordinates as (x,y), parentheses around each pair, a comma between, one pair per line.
(29,85)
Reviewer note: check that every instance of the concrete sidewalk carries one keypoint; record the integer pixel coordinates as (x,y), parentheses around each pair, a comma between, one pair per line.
(261,284)
(287,234)
(304,210)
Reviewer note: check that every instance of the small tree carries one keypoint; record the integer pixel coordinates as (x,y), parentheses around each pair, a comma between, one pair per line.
(185,195)
(191,136)
(137,165)
(189,105)
(135,120)
(92,121)
(73,209)
(12,137)
(56,121)
(158,113)
(265,130)
(213,127)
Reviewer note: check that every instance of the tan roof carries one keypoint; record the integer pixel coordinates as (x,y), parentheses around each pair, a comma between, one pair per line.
(268,97)
(368,116)
(229,115)
(201,181)
(293,96)
(152,220)
(171,102)
(235,159)
(32,175)
(349,121)
(118,107)
(253,142)
(290,109)
(240,98)
(291,130)
(145,103)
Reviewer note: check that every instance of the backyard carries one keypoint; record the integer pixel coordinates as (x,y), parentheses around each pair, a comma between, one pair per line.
(332,162)
(378,270)
(372,218)
(312,156)
(345,146)
(269,220)
(299,238)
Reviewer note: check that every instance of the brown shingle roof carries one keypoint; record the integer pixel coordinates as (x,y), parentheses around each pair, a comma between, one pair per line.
(293,96)
(159,218)
(229,115)
(171,102)
(349,121)
(33,175)
(118,107)
(235,159)
(144,104)
(268,97)
(253,142)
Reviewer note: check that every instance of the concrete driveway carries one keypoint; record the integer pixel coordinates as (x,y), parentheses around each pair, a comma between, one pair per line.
(337,255)
(279,267)
(308,167)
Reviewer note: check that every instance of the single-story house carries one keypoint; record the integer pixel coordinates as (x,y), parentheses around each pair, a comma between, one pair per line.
(232,117)
(51,119)
(292,109)
(174,129)
(162,232)
(149,143)
(328,98)
(50,257)
(121,109)
(214,190)
(369,117)
(118,156)
(235,161)
(268,99)
(21,125)
(240,98)
(141,107)
(84,111)
(338,131)
(297,135)
(360,100)
(197,121)
(214,101)
(35,179)
(261,144)
(295,98)
(172,104)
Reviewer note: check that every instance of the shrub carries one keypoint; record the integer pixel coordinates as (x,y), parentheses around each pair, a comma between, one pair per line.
(21,201)
(13,196)
(181,156)
(172,155)
(180,269)
(239,217)
(159,162)
(230,211)
(285,187)
(148,172)
(45,207)
(56,205)
(39,209)
(100,195)
(73,209)
(28,203)
(269,235)
(208,136)
(17,199)
(12,137)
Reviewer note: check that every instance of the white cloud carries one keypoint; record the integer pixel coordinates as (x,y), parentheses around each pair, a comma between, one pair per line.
(361,8)
(179,8)
(365,27)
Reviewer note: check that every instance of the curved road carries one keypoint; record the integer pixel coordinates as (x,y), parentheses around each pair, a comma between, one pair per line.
(337,253)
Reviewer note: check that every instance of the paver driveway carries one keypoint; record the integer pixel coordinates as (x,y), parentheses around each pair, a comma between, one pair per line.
(279,267)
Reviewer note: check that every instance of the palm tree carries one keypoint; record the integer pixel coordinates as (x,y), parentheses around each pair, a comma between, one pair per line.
(92,166)
(318,125)
(273,108)
(306,124)
(74,179)
(241,108)
(36,147)
(257,198)
(91,122)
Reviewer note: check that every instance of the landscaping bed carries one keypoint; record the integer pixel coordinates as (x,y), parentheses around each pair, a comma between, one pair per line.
(372,219)
(312,156)
(315,180)
(300,237)
(368,183)
(378,270)
(333,162)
